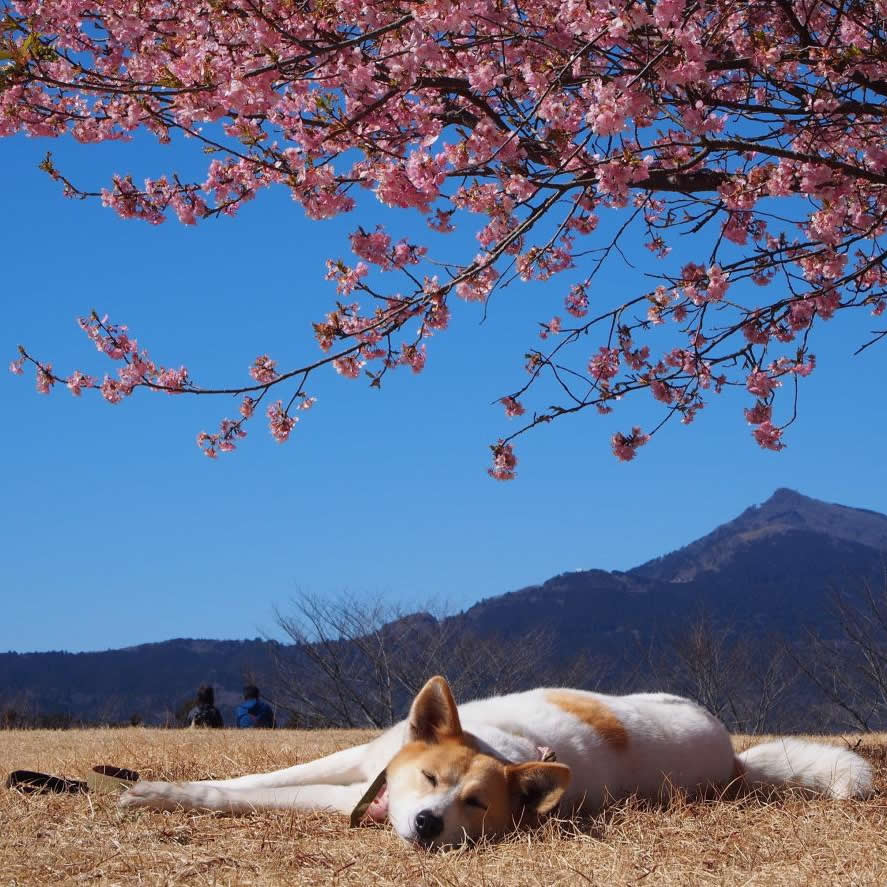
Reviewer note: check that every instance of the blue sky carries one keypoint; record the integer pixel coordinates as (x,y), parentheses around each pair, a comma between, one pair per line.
(116,530)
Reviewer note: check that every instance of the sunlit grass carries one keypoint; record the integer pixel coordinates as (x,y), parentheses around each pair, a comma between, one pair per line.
(71,839)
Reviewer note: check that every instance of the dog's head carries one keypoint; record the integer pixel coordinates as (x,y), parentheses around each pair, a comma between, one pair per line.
(442,790)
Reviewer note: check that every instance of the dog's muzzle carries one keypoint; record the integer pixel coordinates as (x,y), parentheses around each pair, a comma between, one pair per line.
(428,825)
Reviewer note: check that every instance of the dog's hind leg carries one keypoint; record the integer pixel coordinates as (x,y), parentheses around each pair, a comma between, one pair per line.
(208,796)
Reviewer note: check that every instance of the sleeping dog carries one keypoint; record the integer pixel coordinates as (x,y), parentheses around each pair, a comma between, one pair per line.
(460,773)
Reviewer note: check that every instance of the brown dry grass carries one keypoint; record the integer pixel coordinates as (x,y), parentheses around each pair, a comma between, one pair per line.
(85,839)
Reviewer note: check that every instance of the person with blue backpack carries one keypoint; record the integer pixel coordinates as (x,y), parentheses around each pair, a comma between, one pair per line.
(253,711)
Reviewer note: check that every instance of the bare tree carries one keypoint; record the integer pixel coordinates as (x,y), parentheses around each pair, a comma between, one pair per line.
(359,663)
(741,679)
(850,670)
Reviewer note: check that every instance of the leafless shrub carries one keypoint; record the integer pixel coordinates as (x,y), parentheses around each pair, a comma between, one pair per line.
(739,678)
(358,663)
(850,670)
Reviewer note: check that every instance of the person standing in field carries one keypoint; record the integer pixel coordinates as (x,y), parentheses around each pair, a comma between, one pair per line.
(253,711)
(205,713)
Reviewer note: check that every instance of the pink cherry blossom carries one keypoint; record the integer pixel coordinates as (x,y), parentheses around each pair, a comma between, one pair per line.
(552,328)
(174,381)
(504,462)
(223,441)
(513,407)
(414,357)
(717,284)
(263,369)
(805,367)
(605,364)
(760,384)
(280,422)
(746,138)
(112,390)
(349,367)
(45,380)
(758,414)
(576,301)
(662,391)
(769,436)
(625,445)
(247,406)
(77,382)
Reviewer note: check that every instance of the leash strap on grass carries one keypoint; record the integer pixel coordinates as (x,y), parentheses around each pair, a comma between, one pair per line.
(358,813)
(107,779)
(30,781)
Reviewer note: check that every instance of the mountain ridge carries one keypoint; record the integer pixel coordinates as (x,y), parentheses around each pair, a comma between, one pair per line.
(770,570)
(785,510)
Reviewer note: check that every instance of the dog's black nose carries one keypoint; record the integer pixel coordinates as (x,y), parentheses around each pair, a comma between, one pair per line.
(428,825)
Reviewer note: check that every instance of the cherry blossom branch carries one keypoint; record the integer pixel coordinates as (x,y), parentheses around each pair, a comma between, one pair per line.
(691,119)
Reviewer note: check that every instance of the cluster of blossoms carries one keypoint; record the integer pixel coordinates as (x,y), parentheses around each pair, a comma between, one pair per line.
(513,407)
(137,370)
(221,442)
(688,118)
(263,369)
(280,422)
(625,445)
(504,462)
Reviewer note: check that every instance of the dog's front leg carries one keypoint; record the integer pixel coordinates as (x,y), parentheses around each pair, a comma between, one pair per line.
(341,768)
(205,796)
(360,763)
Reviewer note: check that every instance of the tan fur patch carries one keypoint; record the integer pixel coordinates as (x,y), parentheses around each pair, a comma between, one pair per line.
(481,780)
(485,781)
(449,760)
(433,714)
(594,713)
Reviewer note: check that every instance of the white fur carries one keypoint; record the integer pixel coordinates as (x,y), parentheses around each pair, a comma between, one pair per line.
(818,769)
(672,743)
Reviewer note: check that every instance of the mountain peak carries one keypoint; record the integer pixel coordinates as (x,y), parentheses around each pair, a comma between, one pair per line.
(792,509)
(786,495)
(785,511)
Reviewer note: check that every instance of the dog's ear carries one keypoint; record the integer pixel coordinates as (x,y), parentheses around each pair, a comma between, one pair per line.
(433,715)
(536,786)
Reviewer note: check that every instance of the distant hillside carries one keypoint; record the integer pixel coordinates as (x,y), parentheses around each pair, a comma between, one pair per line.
(772,571)
(775,568)
(149,681)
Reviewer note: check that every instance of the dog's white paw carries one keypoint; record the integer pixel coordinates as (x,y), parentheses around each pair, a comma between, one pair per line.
(156,795)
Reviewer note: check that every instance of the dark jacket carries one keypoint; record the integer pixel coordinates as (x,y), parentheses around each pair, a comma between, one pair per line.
(205,716)
(254,713)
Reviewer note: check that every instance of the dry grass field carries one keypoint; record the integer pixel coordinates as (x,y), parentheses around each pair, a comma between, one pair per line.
(84,839)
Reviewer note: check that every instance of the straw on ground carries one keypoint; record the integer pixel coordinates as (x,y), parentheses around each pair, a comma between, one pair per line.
(72,839)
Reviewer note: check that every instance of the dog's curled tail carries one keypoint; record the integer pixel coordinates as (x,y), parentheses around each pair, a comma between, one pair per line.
(817,769)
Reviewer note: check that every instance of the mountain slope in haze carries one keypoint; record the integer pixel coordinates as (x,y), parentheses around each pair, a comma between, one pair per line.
(772,570)
(773,585)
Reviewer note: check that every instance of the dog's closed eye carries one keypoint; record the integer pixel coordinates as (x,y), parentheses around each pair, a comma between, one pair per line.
(430,777)
(473,801)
